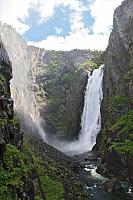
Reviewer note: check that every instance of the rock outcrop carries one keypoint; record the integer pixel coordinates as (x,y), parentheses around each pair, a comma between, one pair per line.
(115,141)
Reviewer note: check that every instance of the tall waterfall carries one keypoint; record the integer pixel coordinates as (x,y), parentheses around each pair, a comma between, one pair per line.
(91,117)
(23,82)
(23,87)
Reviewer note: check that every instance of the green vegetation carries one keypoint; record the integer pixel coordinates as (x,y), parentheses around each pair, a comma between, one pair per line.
(67,79)
(16,167)
(52,188)
(3,123)
(53,100)
(4,120)
(2,83)
(54,174)
(54,66)
(2,79)
(119,100)
(89,65)
(116,107)
(124,130)
(38,198)
(123,148)
(14,122)
(124,125)
(98,57)
(17,171)
(128,76)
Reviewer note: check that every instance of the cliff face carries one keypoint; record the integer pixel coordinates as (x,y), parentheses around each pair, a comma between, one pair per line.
(53,81)
(60,91)
(9,127)
(60,82)
(115,142)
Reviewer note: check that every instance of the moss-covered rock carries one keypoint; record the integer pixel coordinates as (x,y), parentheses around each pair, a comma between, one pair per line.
(59,174)
(24,175)
(7,120)
(114,143)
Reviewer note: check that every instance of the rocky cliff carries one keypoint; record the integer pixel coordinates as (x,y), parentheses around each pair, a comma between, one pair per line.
(9,126)
(53,81)
(60,82)
(115,142)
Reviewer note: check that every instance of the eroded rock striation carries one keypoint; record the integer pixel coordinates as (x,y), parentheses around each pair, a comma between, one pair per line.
(115,141)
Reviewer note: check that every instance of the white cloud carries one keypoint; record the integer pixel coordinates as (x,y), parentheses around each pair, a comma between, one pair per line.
(76,16)
(15,12)
(79,40)
(79,37)
(102,11)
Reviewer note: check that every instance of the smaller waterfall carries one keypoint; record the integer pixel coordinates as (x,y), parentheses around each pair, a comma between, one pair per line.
(91,117)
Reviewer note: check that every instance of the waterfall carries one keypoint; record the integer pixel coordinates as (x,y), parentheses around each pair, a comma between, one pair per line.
(23,88)
(23,82)
(91,117)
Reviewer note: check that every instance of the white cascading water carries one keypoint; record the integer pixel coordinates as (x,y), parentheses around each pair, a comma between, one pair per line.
(23,82)
(91,117)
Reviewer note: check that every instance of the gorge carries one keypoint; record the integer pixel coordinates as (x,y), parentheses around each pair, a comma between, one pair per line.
(70,101)
(32,97)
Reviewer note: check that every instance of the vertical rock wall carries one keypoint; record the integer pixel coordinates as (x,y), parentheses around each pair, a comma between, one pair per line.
(115,142)
(9,126)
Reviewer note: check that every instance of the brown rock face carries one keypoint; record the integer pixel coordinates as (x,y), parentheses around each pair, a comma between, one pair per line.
(117,105)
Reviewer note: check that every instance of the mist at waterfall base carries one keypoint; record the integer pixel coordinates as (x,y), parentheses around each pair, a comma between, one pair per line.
(91,117)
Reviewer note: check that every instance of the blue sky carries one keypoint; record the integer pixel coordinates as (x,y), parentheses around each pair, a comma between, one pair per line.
(61,24)
(57,25)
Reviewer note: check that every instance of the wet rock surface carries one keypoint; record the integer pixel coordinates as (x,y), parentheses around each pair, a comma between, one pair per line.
(114,143)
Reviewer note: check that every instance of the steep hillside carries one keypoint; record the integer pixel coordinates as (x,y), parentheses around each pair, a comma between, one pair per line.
(115,142)
(29,168)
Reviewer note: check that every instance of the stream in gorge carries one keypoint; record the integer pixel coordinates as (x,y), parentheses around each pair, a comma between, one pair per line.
(94,181)
(90,127)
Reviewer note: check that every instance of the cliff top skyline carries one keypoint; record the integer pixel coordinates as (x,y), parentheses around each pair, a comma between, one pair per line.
(61,24)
